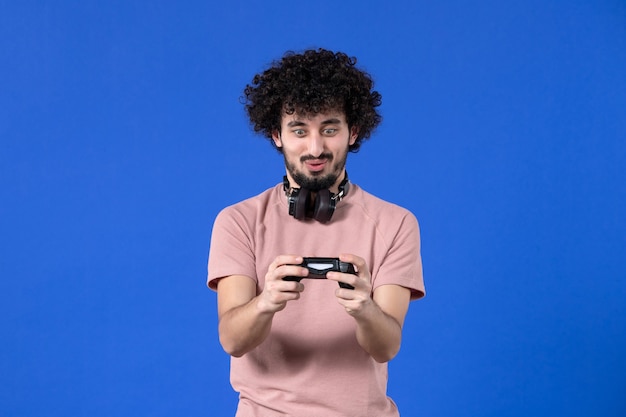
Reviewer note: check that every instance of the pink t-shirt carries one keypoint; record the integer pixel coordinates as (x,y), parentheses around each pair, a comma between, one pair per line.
(311,363)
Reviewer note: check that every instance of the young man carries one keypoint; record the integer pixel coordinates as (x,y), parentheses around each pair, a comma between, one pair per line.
(300,346)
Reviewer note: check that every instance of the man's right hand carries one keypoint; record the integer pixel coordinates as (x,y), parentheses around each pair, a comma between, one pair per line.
(276,291)
(245,317)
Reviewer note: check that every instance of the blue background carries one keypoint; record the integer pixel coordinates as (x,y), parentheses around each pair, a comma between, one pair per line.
(122,136)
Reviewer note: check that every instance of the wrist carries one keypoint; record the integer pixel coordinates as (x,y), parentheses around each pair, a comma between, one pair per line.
(263,307)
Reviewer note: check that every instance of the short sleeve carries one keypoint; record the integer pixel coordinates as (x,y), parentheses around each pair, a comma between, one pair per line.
(402,264)
(231,251)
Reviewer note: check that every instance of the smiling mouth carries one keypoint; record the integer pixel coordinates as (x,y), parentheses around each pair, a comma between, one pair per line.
(316,164)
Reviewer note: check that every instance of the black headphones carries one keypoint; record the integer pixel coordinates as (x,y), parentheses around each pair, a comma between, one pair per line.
(322,209)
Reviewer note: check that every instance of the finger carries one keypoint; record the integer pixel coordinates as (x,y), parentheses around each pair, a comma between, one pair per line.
(285,260)
(359,264)
(292,286)
(291,272)
(283,266)
(343,278)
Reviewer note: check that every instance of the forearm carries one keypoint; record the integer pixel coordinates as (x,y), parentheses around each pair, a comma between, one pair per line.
(378,333)
(243,328)
(246,317)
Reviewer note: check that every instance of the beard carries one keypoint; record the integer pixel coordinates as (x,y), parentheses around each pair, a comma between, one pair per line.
(317,182)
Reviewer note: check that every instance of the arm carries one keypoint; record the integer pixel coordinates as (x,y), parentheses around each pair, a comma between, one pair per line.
(245,318)
(380,316)
(379,328)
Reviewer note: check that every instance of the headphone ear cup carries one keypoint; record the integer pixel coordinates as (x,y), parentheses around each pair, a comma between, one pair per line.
(298,202)
(324,206)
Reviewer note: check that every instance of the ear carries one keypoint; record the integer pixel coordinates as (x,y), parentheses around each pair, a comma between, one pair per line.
(354,133)
(276,138)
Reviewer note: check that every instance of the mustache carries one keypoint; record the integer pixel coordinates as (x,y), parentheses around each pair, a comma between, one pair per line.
(327,156)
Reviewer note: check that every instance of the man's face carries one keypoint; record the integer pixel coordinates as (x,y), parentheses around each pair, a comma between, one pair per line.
(315,149)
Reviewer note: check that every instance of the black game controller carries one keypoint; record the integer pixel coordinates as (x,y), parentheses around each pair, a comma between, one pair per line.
(318,267)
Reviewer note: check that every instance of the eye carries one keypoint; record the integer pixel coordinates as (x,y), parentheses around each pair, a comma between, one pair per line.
(330,131)
(299,132)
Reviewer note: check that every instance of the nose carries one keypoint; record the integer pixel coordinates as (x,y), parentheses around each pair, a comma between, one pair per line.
(316,144)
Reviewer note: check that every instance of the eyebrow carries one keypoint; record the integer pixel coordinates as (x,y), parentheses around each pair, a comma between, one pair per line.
(332,121)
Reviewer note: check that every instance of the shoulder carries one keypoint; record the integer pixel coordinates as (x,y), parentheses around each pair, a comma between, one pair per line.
(251,208)
(379,209)
(394,223)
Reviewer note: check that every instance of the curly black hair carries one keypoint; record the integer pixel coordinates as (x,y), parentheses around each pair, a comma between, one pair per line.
(312,82)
